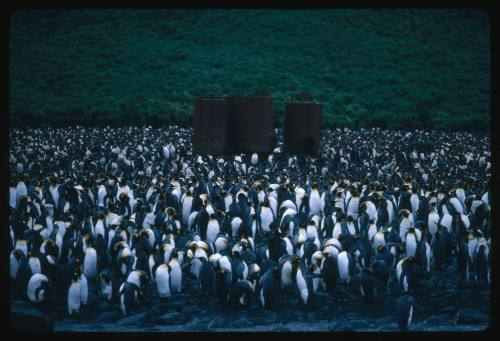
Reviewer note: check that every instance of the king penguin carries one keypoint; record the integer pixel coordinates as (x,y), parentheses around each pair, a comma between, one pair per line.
(404,311)
(162,278)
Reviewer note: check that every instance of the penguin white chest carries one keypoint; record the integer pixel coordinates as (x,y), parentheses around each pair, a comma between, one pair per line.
(403,228)
(162,281)
(351,228)
(266,218)
(432,223)
(212,230)
(14,265)
(302,285)
(106,289)
(186,208)
(372,230)
(286,271)
(84,289)
(235,225)
(74,299)
(175,276)
(90,263)
(343,264)
(228,200)
(314,202)
(21,245)
(337,230)
(411,245)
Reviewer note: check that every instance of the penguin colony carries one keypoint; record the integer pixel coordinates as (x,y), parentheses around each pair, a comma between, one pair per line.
(136,212)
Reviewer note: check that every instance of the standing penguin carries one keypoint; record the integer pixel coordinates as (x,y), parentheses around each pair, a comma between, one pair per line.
(408,274)
(405,224)
(223,285)
(481,265)
(269,287)
(213,229)
(34,262)
(187,204)
(368,283)
(76,293)
(381,271)
(206,278)
(302,285)
(255,159)
(105,284)
(266,218)
(404,311)
(411,242)
(438,246)
(316,202)
(128,297)
(463,261)
(432,222)
(344,262)
(162,278)
(175,273)
(288,268)
(423,253)
(90,261)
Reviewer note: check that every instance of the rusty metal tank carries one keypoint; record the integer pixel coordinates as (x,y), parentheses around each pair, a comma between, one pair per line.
(250,124)
(209,124)
(302,127)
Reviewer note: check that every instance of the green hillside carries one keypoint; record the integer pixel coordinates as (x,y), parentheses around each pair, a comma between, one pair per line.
(389,68)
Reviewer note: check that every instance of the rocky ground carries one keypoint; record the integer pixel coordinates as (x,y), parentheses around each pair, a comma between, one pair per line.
(441,305)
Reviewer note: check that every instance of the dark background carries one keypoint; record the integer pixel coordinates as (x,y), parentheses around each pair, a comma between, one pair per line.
(408,68)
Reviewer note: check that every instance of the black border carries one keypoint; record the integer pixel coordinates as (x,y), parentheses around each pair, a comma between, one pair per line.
(487,7)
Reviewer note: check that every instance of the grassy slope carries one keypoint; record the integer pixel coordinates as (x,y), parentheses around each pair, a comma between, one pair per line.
(396,68)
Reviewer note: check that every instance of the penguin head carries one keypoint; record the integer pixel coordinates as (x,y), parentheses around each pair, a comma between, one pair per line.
(105,276)
(254,271)
(244,244)
(312,268)
(18,254)
(276,272)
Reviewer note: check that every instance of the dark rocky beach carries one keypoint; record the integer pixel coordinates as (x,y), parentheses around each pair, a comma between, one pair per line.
(441,305)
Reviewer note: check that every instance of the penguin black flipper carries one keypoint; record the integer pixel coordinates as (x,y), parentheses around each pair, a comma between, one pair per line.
(24,274)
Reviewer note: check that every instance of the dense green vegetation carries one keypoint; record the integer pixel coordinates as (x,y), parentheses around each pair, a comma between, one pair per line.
(388,68)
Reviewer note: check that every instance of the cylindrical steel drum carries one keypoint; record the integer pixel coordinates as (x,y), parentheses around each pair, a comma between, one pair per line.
(250,124)
(302,127)
(209,124)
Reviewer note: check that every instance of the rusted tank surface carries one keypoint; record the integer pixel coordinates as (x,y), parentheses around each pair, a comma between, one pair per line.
(209,125)
(250,124)
(302,127)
